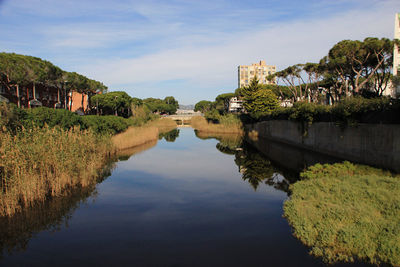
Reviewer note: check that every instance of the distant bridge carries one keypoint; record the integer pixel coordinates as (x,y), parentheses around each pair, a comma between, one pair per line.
(183,117)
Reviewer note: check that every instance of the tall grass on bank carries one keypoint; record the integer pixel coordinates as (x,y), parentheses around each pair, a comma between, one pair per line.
(347,212)
(227,124)
(39,163)
(135,136)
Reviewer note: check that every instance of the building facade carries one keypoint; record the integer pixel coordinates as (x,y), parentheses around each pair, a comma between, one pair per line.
(260,70)
(32,95)
(78,101)
(38,95)
(396,53)
(235,105)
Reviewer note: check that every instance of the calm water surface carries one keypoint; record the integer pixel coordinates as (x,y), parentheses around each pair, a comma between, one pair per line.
(192,202)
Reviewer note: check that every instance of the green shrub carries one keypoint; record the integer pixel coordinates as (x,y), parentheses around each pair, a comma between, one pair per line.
(351,109)
(106,124)
(229,119)
(347,111)
(13,119)
(347,212)
(212,115)
(53,117)
(307,112)
(141,115)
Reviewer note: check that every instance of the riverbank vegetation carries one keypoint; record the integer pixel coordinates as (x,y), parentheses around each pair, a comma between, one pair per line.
(348,111)
(140,135)
(40,163)
(225,124)
(347,212)
(43,151)
(121,104)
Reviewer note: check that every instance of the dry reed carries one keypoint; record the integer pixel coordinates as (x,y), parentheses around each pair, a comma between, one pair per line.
(201,124)
(135,136)
(39,163)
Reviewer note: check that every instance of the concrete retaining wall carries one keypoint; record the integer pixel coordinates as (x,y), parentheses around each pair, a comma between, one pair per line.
(372,144)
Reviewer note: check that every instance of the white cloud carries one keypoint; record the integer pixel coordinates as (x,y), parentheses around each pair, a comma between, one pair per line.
(281,44)
(140,45)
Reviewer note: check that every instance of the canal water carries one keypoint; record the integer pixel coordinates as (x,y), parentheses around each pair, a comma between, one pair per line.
(188,200)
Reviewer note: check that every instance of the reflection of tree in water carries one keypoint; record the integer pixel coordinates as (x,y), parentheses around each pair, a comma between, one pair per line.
(169,136)
(257,169)
(228,143)
(17,230)
(254,167)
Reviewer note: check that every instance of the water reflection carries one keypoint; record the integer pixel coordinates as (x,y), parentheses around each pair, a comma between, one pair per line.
(50,215)
(181,204)
(125,154)
(55,213)
(254,167)
(169,136)
(228,143)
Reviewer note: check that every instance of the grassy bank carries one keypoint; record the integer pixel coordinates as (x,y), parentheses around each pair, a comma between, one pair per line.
(347,212)
(139,135)
(40,163)
(45,152)
(227,124)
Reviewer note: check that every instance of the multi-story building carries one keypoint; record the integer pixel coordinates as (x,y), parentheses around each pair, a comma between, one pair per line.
(260,70)
(396,52)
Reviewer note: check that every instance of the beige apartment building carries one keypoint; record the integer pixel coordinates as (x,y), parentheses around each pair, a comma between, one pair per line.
(396,53)
(247,72)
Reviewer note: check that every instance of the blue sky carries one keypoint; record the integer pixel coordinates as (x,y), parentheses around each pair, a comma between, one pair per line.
(188,49)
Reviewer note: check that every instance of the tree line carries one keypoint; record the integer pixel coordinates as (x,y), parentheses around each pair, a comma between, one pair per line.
(121,104)
(20,71)
(351,68)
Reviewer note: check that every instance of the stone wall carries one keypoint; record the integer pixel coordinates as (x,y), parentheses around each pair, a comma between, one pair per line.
(373,144)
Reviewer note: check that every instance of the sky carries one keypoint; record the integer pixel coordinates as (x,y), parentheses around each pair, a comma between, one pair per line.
(189,49)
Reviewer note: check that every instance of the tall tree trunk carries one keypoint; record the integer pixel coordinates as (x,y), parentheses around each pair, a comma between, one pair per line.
(18,100)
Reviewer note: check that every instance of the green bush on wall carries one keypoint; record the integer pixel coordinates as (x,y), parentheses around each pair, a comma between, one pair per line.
(13,118)
(351,110)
